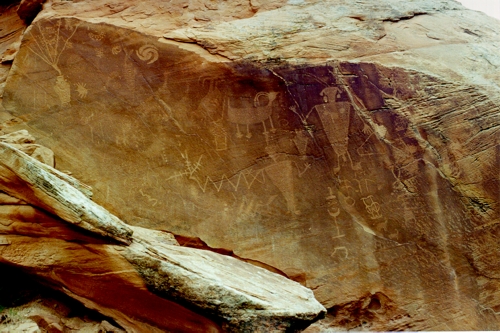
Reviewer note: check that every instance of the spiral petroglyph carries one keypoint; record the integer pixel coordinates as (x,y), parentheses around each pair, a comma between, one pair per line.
(147,53)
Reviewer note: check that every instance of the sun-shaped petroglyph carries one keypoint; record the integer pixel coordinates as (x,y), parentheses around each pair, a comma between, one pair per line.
(82,90)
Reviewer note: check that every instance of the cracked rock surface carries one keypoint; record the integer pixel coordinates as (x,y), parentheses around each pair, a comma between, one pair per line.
(352,146)
(239,296)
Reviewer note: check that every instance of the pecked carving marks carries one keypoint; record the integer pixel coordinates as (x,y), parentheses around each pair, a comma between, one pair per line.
(241,296)
(335,118)
(70,47)
(243,179)
(52,42)
(147,53)
(248,157)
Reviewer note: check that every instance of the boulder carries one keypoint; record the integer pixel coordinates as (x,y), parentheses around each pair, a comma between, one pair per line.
(24,301)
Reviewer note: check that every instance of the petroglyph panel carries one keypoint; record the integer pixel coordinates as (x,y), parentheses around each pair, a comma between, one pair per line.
(325,170)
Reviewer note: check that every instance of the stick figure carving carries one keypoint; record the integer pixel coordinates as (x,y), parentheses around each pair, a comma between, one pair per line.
(333,208)
(334,211)
(258,113)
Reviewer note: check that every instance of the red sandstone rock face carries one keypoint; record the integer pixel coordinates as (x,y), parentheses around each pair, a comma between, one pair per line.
(374,182)
(135,275)
(10,38)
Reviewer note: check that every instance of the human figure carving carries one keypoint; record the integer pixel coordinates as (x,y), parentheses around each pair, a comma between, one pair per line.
(335,119)
(334,211)
(280,171)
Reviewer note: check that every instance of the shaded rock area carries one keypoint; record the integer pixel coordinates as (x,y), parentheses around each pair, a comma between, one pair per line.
(27,306)
(351,147)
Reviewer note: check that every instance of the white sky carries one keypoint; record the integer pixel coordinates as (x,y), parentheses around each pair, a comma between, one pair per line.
(490,7)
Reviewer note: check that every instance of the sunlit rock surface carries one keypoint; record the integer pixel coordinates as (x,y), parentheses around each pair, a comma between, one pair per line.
(127,266)
(353,147)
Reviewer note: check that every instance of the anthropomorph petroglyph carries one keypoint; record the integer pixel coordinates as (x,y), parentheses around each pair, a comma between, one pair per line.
(63,90)
(334,211)
(220,135)
(129,71)
(211,106)
(281,174)
(335,119)
(333,208)
(301,141)
(48,47)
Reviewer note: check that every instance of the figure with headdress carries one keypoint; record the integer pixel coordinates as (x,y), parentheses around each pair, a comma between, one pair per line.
(334,116)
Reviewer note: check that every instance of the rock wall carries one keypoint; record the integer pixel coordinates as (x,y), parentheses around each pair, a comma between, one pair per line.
(140,277)
(352,147)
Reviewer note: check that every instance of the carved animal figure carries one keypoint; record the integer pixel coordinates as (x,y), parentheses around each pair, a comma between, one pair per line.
(253,115)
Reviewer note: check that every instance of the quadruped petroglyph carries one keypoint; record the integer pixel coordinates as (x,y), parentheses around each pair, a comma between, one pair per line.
(230,130)
(329,122)
(259,112)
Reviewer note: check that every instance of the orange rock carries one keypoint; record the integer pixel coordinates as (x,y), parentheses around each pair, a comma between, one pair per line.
(353,147)
(125,276)
(101,281)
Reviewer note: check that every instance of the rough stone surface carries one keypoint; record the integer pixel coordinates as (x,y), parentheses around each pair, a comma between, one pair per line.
(26,304)
(240,296)
(248,298)
(351,145)
(29,9)
(34,182)
(10,38)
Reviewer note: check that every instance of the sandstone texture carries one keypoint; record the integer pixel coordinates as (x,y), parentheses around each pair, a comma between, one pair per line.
(240,296)
(26,306)
(350,146)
